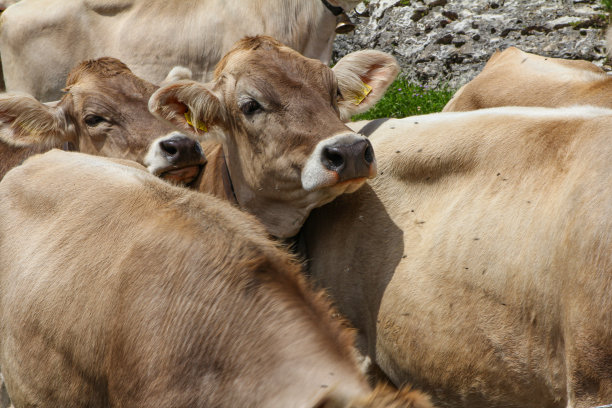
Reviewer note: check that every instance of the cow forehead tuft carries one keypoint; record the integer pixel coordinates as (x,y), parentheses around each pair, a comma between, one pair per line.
(248,45)
(277,64)
(104,67)
(114,74)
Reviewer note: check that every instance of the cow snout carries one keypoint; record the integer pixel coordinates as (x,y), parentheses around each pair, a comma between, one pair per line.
(348,157)
(349,160)
(181,150)
(175,158)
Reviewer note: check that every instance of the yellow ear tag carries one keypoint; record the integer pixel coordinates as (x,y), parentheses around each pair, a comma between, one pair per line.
(199,125)
(365,90)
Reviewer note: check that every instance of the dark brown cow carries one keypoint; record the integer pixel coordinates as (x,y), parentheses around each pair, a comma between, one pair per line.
(120,290)
(104,112)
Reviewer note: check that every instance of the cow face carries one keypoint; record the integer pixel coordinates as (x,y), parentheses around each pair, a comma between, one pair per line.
(104,112)
(278,115)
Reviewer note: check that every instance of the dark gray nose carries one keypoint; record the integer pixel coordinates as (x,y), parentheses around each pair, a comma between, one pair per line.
(349,160)
(182,151)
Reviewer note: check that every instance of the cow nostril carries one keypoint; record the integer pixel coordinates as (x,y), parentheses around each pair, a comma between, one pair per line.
(169,147)
(368,155)
(332,159)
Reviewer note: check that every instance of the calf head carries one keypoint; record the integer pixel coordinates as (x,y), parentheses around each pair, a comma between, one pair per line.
(280,117)
(104,112)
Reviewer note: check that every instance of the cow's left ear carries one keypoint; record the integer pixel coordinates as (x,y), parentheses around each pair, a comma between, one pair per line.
(363,77)
(24,121)
(191,106)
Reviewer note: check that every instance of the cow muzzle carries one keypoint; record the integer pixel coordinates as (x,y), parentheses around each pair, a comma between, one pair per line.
(175,158)
(347,158)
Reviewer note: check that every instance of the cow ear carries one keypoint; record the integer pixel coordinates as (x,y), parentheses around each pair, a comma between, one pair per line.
(363,77)
(190,106)
(24,121)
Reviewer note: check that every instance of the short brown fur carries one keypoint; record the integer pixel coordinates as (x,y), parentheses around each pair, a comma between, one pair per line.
(517,78)
(117,289)
(477,266)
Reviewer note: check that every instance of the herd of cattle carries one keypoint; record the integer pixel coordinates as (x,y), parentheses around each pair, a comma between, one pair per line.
(467,254)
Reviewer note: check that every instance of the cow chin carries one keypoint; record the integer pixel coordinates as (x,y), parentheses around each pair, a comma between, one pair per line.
(182,176)
(329,194)
(349,186)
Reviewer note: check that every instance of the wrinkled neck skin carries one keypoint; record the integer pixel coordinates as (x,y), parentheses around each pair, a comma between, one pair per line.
(306,26)
(214,178)
(282,219)
(282,215)
(320,41)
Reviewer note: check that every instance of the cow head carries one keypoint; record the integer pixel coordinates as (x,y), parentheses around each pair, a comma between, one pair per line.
(104,112)
(279,117)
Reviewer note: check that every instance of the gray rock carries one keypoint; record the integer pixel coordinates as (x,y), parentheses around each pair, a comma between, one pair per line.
(449,41)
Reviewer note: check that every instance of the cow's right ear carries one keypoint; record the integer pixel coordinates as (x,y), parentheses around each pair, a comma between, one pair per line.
(191,106)
(24,121)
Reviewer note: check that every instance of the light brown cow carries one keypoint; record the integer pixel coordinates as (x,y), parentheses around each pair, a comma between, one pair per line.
(517,78)
(478,264)
(120,290)
(41,40)
(279,118)
(104,112)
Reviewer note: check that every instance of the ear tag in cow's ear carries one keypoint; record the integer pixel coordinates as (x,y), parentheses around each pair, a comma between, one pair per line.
(199,125)
(365,91)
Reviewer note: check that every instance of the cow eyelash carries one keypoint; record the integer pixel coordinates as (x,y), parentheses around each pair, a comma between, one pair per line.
(250,107)
(93,120)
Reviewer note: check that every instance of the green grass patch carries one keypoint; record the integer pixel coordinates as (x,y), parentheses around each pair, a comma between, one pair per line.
(404,98)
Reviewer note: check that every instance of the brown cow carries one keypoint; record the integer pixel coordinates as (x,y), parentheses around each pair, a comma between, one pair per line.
(279,118)
(120,290)
(478,264)
(517,78)
(104,112)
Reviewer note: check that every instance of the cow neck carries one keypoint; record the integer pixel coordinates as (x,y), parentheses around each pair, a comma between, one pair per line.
(228,187)
(297,244)
(214,170)
(336,11)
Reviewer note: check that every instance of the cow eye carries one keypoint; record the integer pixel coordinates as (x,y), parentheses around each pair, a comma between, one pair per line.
(250,107)
(94,120)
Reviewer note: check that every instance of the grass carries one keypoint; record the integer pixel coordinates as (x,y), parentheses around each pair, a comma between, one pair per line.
(404,98)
